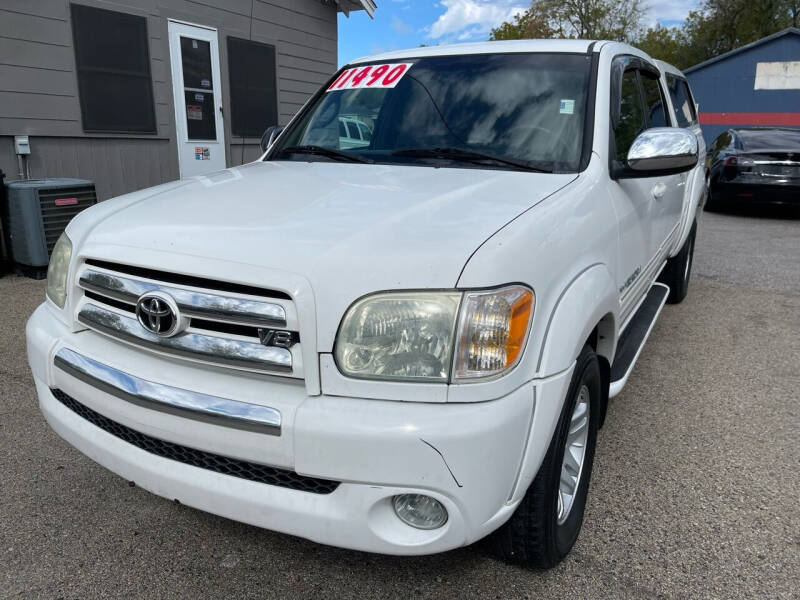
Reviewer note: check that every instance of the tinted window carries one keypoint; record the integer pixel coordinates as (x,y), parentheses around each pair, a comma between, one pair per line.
(631,115)
(769,139)
(254,88)
(682,101)
(723,140)
(113,64)
(656,114)
(528,107)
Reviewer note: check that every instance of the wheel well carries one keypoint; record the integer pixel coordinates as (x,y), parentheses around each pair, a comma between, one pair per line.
(601,340)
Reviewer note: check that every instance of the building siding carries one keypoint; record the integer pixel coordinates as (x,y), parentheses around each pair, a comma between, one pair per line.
(725,89)
(39,89)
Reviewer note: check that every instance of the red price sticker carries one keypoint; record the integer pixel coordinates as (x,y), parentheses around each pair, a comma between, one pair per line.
(370,76)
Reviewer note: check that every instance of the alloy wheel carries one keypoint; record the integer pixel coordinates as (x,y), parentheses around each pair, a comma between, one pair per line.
(574,454)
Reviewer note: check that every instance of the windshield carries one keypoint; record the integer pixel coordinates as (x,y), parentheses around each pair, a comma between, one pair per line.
(506,111)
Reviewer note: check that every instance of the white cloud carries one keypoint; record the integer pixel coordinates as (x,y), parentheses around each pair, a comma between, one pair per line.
(464,20)
(669,11)
(400,27)
(469,18)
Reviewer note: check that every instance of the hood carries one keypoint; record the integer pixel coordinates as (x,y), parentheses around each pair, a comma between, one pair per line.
(348,229)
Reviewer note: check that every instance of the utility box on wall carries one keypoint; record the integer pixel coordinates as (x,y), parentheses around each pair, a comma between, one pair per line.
(36,212)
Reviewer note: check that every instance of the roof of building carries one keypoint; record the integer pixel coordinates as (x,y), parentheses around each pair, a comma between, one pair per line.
(751,45)
(577,46)
(346,6)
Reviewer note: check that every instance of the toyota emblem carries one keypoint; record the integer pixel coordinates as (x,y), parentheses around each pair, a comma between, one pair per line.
(158,313)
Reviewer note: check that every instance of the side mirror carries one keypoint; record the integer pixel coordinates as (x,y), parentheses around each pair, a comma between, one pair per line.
(269,136)
(661,151)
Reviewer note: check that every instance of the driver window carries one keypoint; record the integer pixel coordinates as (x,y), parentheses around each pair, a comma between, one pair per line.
(631,114)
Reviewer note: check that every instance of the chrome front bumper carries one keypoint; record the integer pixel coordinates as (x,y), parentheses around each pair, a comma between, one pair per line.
(168,399)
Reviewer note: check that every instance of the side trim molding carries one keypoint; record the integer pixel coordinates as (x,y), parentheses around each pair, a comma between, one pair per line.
(168,399)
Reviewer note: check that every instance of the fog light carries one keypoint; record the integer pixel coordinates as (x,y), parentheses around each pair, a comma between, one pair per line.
(422,512)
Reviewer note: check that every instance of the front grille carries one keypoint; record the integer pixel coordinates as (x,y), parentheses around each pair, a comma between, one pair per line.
(188,280)
(56,218)
(224,322)
(198,458)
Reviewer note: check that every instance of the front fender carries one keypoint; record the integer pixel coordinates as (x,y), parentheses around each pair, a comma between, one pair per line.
(591,297)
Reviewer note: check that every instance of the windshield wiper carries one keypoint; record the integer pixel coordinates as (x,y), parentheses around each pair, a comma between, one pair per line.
(468,156)
(327,152)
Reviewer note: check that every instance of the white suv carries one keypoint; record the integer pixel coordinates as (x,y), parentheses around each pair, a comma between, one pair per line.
(401,346)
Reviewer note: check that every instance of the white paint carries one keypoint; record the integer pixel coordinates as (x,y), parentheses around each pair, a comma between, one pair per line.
(328,233)
(783,75)
(211,155)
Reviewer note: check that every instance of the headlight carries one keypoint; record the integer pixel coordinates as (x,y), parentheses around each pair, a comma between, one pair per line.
(413,336)
(57,271)
(407,336)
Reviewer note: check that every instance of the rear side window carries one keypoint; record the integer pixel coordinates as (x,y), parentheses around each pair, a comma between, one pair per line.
(682,102)
(656,114)
(366,134)
(631,115)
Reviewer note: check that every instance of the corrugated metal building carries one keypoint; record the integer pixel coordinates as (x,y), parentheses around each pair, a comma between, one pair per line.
(755,85)
(133,93)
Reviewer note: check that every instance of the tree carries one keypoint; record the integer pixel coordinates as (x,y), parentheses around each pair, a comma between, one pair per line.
(666,43)
(582,19)
(719,26)
(716,27)
(525,25)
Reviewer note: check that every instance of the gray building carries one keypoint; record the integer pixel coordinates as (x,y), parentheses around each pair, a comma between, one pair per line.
(133,93)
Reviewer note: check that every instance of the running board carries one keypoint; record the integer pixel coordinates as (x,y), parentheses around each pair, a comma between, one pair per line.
(632,340)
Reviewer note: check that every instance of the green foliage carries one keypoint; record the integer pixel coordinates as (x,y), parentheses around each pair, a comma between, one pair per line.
(719,26)
(524,26)
(579,19)
(723,25)
(715,28)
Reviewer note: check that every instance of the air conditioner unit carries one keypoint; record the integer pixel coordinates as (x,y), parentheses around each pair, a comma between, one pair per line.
(36,213)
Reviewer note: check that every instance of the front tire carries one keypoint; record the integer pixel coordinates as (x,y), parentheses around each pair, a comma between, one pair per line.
(678,270)
(546,524)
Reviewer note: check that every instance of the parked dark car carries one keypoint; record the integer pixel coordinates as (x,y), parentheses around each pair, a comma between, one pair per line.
(759,165)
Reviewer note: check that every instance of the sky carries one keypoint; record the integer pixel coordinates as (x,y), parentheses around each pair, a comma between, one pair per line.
(402,24)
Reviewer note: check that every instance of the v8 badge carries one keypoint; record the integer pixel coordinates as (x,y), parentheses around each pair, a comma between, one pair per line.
(278,337)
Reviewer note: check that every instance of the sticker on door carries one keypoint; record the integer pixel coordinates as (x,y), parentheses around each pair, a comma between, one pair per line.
(202,153)
(194,112)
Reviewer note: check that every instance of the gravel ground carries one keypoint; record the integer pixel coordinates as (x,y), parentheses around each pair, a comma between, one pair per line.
(694,494)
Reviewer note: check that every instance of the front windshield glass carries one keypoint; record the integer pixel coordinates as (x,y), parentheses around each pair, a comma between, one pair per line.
(508,111)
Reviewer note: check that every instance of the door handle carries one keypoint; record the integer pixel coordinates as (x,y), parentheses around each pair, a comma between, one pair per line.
(658,190)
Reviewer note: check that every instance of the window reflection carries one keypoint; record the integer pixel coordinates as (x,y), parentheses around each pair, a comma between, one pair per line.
(528,107)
